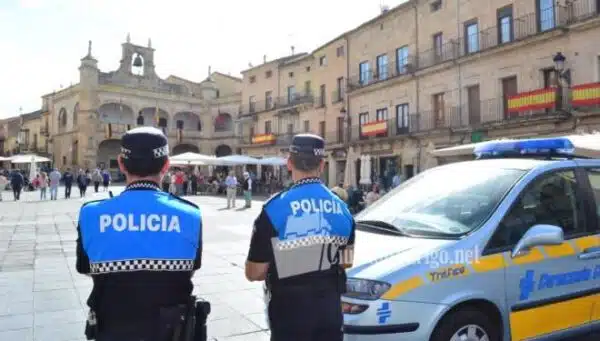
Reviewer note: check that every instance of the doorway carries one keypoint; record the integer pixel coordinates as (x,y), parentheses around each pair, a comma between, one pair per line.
(509,88)
(474,104)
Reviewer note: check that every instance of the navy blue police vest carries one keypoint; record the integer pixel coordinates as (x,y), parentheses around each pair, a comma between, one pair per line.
(140,230)
(311,223)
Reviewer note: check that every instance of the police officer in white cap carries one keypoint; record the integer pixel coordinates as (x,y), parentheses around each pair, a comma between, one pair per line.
(140,248)
(301,243)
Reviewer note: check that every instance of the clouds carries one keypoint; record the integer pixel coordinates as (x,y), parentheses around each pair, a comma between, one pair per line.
(46,38)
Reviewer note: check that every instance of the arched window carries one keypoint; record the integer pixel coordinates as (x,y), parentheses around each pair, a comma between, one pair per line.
(62,118)
(75,114)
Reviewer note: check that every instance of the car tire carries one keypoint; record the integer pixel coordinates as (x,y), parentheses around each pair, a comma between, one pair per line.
(458,322)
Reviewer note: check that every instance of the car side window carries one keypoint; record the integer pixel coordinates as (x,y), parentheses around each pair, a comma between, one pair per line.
(594,177)
(549,200)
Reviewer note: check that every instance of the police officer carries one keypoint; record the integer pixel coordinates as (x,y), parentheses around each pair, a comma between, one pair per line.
(140,248)
(302,240)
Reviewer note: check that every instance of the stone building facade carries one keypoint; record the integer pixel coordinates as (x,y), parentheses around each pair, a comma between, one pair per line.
(434,73)
(84,122)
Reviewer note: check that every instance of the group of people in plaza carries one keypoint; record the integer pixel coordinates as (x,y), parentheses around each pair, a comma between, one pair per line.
(48,180)
(143,246)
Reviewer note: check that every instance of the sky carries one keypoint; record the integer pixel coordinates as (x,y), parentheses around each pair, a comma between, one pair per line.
(42,41)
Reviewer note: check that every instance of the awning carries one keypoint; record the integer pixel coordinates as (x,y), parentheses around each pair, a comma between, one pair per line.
(28,158)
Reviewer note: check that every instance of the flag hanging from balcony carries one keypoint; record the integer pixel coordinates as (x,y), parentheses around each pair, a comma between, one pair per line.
(586,95)
(532,100)
(179,135)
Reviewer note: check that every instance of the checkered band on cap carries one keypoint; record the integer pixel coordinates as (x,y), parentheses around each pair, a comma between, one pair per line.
(161,151)
(142,265)
(310,241)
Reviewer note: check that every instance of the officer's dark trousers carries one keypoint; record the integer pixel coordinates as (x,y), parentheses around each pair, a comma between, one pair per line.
(311,317)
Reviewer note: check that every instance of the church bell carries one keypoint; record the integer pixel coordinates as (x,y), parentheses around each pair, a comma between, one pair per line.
(137,62)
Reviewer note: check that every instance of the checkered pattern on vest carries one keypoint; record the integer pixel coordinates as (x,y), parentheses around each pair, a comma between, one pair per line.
(142,265)
(310,241)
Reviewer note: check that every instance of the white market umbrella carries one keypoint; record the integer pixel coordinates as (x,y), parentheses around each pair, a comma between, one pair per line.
(28,158)
(349,172)
(32,169)
(2,158)
(235,160)
(273,161)
(365,170)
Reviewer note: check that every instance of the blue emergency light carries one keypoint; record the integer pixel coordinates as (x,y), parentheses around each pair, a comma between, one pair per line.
(542,147)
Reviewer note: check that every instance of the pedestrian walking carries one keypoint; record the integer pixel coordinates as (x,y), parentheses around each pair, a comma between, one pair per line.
(106,179)
(55,177)
(68,181)
(43,185)
(17,181)
(247,188)
(302,240)
(82,183)
(231,183)
(142,276)
(3,183)
(96,179)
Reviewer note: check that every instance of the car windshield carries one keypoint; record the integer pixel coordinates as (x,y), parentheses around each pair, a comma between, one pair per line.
(444,202)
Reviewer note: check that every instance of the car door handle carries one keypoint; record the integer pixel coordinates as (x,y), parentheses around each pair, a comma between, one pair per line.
(590,253)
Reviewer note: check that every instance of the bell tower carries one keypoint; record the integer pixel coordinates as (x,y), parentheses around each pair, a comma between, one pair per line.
(137,60)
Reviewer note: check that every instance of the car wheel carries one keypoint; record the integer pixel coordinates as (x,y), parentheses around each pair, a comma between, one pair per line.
(466,324)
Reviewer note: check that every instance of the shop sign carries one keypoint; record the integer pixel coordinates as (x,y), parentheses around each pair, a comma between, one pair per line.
(586,94)
(532,100)
(263,139)
(374,128)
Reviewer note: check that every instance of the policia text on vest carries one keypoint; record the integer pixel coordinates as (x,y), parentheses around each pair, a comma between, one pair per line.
(141,259)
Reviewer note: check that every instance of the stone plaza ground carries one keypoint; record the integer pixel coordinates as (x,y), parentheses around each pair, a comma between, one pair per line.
(42,297)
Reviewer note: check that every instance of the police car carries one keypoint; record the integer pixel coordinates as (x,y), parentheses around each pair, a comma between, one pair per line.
(505,247)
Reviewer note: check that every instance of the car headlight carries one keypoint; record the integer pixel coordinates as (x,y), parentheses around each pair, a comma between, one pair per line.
(365,289)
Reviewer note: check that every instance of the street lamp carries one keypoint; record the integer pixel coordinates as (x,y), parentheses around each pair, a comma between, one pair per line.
(559,66)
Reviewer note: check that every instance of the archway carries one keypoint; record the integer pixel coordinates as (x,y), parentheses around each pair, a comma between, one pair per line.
(184,148)
(108,151)
(116,113)
(223,122)
(223,150)
(148,117)
(187,121)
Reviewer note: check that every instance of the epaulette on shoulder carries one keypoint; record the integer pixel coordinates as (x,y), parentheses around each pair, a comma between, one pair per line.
(183,200)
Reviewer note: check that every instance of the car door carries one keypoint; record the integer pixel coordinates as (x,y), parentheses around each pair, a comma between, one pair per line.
(548,287)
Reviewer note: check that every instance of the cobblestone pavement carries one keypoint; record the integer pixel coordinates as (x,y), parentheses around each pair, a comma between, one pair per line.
(42,297)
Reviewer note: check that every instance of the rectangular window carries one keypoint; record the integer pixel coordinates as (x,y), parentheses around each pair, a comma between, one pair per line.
(471,37)
(252,79)
(363,119)
(381,115)
(268,100)
(340,51)
(402,118)
(401,59)
(505,24)
(545,15)
(252,104)
(549,78)
(364,73)
(268,127)
(438,110)
(307,87)
(322,95)
(341,128)
(323,61)
(509,88)
(382,67)
(474,104)
(306,126)
(438,45)
(268,74)
(322,129)
(339,89)
(291,94)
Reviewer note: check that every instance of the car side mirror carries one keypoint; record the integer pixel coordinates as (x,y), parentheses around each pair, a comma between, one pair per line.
(538,235)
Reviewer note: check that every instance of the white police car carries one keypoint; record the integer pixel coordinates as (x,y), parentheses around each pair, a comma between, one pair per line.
(495,249)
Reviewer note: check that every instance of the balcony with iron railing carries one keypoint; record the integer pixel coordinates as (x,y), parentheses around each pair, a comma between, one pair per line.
(337,96)
(517,29)
(258,107)
(284,102)
(391,70)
